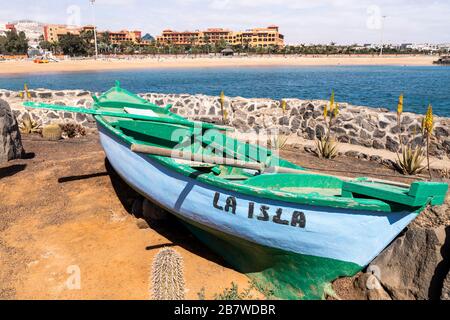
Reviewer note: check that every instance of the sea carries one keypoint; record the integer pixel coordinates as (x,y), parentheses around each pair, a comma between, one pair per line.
(373,86)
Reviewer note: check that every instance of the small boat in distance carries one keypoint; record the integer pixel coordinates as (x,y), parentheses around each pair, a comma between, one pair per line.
(445,60)
(291,230)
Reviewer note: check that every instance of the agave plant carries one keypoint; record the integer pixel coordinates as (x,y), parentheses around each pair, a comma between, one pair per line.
(326,148)
(411,160)
(279,142)
(28,125)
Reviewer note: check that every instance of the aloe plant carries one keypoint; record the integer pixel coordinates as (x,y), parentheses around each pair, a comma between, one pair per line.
(28,125)
(327,148)
(410,161)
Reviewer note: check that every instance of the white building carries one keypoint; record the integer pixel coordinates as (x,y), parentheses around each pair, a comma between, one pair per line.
(32,29)
(2,28)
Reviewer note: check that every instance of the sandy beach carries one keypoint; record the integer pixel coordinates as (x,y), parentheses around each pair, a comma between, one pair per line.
(23,66)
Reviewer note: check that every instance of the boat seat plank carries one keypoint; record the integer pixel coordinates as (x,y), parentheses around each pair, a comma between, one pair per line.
(418,195)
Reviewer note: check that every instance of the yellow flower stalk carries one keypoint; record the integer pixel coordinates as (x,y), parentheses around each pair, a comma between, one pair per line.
(428,121)
(325,112)
(336,110)
(400,105)
(428,132)
(332,99)
(222,106)
(283,105)
(222,98)
(25,88)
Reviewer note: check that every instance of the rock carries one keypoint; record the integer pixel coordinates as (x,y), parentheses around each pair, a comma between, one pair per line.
(283,121)
(446,288)
(395,130)
(391,144)
(353,154)
(136,209)
(383,124)
(407,120)
(375,158)
(10,140)
(379,134)
(45,95)
(309,149)
(320,131)
(142,224)
(311,133)
(152,212)
(378,145)
(441,132)
(407,268)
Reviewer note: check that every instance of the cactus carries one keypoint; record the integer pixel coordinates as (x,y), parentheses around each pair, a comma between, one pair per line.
(52,132)
(167,275)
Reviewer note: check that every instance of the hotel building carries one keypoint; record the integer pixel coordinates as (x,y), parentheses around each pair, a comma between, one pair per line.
(53,32)
(258,37)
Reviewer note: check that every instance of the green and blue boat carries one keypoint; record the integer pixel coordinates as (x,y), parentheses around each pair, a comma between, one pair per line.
(291,230)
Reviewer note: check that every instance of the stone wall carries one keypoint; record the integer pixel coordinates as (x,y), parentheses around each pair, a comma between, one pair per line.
(357,125)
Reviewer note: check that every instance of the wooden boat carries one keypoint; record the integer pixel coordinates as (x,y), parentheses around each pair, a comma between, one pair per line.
(291,230)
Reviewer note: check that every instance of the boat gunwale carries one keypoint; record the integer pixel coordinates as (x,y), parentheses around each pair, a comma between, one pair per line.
(358,204)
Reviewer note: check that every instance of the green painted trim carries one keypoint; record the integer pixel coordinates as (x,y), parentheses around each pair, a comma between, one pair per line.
(259,192)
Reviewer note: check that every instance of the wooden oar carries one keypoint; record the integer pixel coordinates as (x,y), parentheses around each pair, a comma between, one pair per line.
(104,113)
(177,154)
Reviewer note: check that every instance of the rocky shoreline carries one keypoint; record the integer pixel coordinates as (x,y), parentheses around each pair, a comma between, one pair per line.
(356,125)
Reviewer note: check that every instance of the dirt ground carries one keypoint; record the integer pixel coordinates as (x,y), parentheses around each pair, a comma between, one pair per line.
(63,210)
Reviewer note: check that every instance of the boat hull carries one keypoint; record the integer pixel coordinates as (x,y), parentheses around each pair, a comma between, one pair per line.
(293,250)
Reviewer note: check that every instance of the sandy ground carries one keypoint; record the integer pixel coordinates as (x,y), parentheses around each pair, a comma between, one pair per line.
(20,67)
(64,208)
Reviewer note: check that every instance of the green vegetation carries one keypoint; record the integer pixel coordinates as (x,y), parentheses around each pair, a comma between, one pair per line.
(326,146)
(73,130)
(28,125)
(233,293)
(410,161)
(13,43)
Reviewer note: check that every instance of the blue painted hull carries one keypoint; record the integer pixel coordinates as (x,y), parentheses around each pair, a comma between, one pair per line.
(351,236)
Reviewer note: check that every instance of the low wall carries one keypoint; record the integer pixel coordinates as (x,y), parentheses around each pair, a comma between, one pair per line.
(369,127)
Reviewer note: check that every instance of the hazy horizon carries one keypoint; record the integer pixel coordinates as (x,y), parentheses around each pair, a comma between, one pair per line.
(301,21)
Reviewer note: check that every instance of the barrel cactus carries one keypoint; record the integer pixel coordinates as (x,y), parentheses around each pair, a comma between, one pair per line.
(52,132)
(167,276)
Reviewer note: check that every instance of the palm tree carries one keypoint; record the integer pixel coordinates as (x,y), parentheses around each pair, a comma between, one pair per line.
(206,39)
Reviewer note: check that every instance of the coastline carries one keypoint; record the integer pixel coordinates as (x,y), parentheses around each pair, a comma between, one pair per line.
(8,68)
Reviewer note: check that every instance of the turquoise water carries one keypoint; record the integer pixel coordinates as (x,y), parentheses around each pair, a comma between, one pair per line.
(372,86)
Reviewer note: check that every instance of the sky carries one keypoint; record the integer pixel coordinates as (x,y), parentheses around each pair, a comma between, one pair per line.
(301,21)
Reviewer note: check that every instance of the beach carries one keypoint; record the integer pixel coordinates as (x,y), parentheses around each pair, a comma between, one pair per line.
(111,64)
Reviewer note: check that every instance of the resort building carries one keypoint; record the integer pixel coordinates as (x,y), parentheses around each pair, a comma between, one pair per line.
(53,32)
(258,37)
